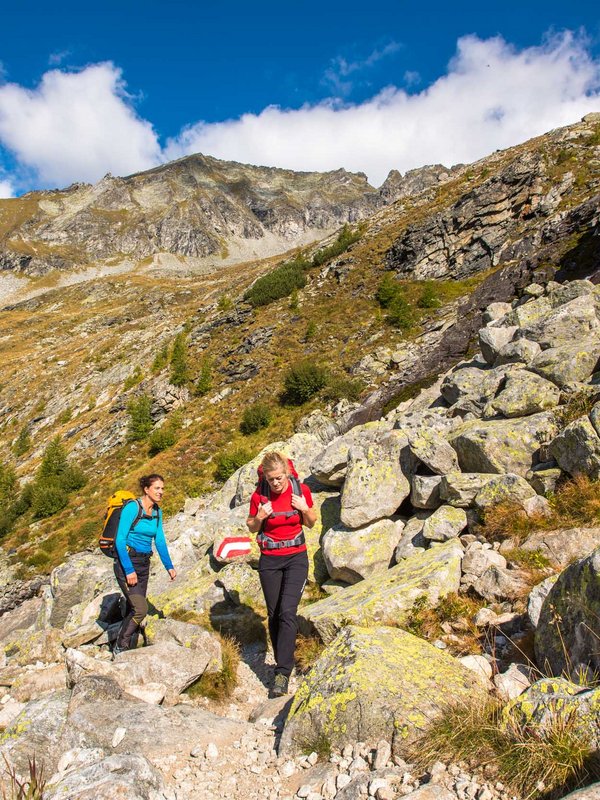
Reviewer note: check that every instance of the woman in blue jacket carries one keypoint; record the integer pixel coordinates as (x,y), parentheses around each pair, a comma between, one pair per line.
(140,524)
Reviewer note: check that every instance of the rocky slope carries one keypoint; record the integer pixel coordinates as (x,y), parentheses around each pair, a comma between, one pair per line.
(199,210)
(403,509)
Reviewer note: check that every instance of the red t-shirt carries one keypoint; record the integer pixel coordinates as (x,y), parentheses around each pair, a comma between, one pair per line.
(282,528)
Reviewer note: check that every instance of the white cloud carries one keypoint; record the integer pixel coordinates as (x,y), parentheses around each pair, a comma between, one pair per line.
(76,126)
(492,96)
(6,189)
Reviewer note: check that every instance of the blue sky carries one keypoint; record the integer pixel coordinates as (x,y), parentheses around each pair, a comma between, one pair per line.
(91,88)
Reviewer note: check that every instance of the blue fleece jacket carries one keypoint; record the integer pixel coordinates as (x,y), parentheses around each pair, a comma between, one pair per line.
(147,528)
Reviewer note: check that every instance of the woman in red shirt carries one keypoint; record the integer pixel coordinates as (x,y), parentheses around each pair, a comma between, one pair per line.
(283,565)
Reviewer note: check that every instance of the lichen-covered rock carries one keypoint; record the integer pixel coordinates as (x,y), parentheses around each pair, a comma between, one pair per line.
(425,491)
(496,311)
(544,481)
(231,540)
(184,634)
(536,599)
(503,445)
(82,577)
(37,729)
(127,775)
(524,393)
(478,559)
(460,488)
(352,555)
(44,646)
(512,682)
(175,666)
(498,583)
(412,540)
(574,320)
(576,449)
(25,619)
(472,387)
(328,507)
(329,466)
(572,361)
(375,485)
(388,595)
(194,592)
(445,523)
(567,632)
(528,313)
(501,488)
(519,351)
(34,683)
(564,545)
(372,684)
(552,701)
(492,340)
(429,447)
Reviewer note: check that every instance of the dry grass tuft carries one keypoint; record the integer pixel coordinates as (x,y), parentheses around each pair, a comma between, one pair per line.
(31,789)
(308,650)
(575,503)
(450,620)
(531,763)
(219,686)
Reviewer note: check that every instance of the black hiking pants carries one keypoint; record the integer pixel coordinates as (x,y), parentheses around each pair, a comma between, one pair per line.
(135,597)
(283,579)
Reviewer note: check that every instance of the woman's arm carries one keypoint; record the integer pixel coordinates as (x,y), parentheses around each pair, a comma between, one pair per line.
(254,522)
(162,549)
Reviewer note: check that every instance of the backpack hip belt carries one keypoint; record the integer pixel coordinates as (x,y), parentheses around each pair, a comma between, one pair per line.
(266,543)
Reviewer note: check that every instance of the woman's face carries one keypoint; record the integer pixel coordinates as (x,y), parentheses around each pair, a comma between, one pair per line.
(277,479)
(155,491)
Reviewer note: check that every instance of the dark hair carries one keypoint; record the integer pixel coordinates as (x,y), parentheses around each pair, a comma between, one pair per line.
(146,481)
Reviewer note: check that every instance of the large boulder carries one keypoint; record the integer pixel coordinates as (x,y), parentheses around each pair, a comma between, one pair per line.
(554,702)
(412,540)
(126,775)
(576,449)
(174,666)
(503,445)
(572,361)
(524,393)
(460,488)
(352,555)
(425,491)
(429,447)
(492,340)
(566,637)
(37,729)
(519,351)
(563,546)
(329,466)
(471,386)
(375,485)
(194,592)
(81,578)
(445,523)
(574,320)
(389,595)
(501,488)
(372,684)
(25,619)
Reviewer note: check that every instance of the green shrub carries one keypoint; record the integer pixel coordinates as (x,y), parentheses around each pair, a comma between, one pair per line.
(400,314)
(204,382)
(256,416)
(161,439)
(161,359)
(311,331)
(227,463)
(140,422)
(345,238)
(429,298)
(65,416)
(23,443)
(225,303)
(341,387)
(302,381)
(294,300)
(278,283)
(133,379)
(8,487)
(388,290)
(179,369)
(48,498)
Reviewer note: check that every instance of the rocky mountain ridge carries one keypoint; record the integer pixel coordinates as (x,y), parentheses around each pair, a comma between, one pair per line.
(202,211)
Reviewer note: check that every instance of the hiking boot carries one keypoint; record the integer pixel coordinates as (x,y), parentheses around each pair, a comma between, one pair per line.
(280,685)
(117,651)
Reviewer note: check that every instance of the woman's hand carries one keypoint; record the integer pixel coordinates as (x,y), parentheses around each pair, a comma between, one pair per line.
(299,503)
(172,574)
(264,511)
(131,579)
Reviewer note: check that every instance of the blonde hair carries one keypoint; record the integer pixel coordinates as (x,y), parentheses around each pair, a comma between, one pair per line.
(274,459)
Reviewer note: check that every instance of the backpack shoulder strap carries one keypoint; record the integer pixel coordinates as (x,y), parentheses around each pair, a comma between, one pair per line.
(296,487)
(138,516)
